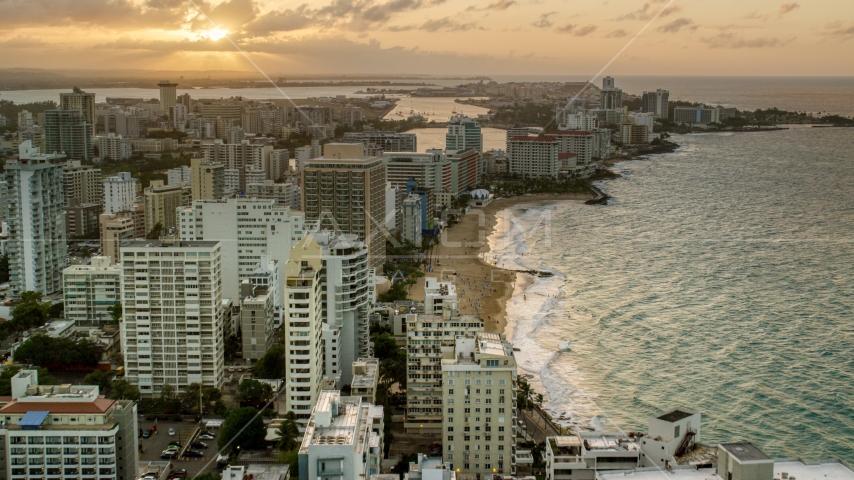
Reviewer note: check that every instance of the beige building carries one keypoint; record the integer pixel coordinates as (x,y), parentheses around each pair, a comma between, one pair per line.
(152,145)
(115,229)
(168,94)
(208,180)
(344,191)
(283,193)
(303,327)
(82,182)
(82,218)
(161,202)
(82,102)
(479,380)
(89,291)
(366,375)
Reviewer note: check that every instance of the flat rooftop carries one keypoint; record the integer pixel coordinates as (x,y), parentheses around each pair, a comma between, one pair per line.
(674,416)
(493,344)
(816,471)
(745,451)
(168,244)
(794,468)
(652,473)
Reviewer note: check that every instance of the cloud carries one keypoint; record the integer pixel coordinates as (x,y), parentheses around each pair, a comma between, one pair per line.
(500,5)
(649,10)
(446,24)
(677,25)
(22,42)
(576,31)
(839,31)
(617,34)
(544,21)
(788,7)
(732,41)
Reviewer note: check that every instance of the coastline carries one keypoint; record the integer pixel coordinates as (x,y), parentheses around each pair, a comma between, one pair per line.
(483,287)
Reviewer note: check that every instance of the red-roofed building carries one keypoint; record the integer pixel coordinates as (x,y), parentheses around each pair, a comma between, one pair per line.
(67,431)
(579,142)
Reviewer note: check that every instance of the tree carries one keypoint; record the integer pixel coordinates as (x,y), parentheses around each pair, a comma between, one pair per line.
(253,392)
(4,268)
(211,399)
(124,390)
(288,433)
(232,346)
(403,464)
(64,352)
(245,427)
(272,364)
(208,476)
(155,232)
(31,312)
(56,310)
(116,313)
(168,401)
(101,378)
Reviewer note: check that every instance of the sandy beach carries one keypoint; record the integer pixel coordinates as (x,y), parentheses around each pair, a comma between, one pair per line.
(483,288)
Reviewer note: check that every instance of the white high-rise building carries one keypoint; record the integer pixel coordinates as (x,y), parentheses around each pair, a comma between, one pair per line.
(657,103)
(610,98)
(248,229)
(479,402)
(534,157)
(430,170)
(114,146)
(36,221)
(646,119)
(66,432)
(463,133)
(120,192)
(302,155)
(238,156)
(303,328)
(578,121)
(182,174)
(89,291)
(172,325)
(411,229)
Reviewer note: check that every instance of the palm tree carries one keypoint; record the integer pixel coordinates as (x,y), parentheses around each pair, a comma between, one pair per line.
(288,433)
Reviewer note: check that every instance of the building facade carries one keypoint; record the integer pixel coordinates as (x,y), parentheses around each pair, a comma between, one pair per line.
(84,103)
(463,133)
(66,131)
(120,192)
(90,291)
(172,326)
(115,229)
(535,157)
(208,179)
(657,103)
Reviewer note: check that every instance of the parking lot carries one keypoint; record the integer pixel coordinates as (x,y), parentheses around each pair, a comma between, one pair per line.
(154,446)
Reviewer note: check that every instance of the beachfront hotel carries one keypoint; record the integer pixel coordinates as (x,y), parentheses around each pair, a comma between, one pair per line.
(66,432)
(478,422)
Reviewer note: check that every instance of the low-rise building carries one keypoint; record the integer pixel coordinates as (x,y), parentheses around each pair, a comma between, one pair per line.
(366,375)
(700,114)
(343,439)
(580,457)
(67,432)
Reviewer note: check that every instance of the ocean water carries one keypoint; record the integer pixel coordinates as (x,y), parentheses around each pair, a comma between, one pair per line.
(720,278)
(435,138)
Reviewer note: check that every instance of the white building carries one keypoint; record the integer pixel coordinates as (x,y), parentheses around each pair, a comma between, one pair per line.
(410,229)
(439,296)
(366,377)
(247,229)
(36,218)
(286,194)
(646,119)
(89,291)
(302,155)
(671,434)
(582,456)
(377,142)
(463,134)
(700,114)
(182,174)
(430,170)
(578,121)
(66,432)
(479,383)
(114,146)
(238,156)
(120,192)
(534,157)
(429,468)
(343,439)
(172,290)
(656,103)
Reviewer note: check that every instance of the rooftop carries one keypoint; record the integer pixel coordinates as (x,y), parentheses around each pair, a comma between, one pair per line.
(569,132)
(795,469)
(674,415)
(745,451)
(169,244)
(368,369)
(533,139)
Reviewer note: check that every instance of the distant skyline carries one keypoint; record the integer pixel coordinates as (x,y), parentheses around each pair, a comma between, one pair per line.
(438,37)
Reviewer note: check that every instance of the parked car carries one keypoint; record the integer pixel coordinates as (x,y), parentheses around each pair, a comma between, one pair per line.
(221,461)
(171,432)
(194,453)
(199,445)
(175,444)
(146,434)
(207,432)
(168,455)
(171,449)
(179,473)
(206,437)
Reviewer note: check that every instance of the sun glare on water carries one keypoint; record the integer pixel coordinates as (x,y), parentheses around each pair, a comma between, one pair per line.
(214,33)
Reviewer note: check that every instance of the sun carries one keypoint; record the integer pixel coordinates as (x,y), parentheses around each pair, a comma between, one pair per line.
(214,33)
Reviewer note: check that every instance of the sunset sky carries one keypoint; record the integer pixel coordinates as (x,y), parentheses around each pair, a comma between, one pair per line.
(559,37)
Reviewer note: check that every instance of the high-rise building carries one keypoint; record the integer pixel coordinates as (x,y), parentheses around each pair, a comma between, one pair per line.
(302,155)
(308,115)
(411,229)
(114,147)
(376,142)
(120,192)
(344,439)
(36,221)
(238,156)
(610,98)
(161,203)
(115,229)
(66,131)
(277,164)
(256,317)
(168,94)
(283,193)
(264,119)
(429,338)
(465,169)
(479,382)
(657,103)
(700,114)
(347,194)
(631,134)
(303,326)
(351,116)
(25,119)
(89,291)
(82,218)
(67,432)
(535,157)
(515,132)
(172,290)
(182,174)
(601,143)
(429,170)
(579,142)
(247,229)
(347,293)
(208,179)
(463,133)
(82,183)
(82,102)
